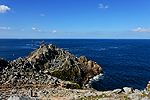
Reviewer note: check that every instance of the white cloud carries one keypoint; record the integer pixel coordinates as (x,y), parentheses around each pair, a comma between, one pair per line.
(103,6)
(141,29)
(43,31)
(54,31)
(4,9)
(5,28)
(36,29)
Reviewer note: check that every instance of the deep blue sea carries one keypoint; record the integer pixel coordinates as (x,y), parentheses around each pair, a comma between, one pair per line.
(125,62)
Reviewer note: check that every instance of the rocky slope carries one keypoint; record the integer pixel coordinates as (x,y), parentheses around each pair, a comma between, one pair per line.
(60,93)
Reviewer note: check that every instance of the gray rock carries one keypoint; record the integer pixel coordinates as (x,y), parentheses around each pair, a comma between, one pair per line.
(134,96)
(128,90)
(13,91)
(33,93)
(137,91)
(16,97)
(117,91)
(145,98)
(148,86)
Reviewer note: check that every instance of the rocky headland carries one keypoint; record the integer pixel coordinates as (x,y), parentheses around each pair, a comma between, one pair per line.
(51,73)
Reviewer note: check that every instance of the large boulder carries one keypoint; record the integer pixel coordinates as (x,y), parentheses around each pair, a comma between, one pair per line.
(128,90)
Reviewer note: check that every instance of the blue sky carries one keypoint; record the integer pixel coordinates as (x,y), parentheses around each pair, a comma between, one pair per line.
(101,19)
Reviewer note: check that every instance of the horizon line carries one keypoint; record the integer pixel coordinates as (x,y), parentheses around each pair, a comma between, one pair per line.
(76,38)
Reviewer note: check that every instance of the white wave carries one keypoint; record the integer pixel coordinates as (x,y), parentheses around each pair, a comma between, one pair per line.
(97,77)
(102,49)
(114,47)
(28,44)
(34,48)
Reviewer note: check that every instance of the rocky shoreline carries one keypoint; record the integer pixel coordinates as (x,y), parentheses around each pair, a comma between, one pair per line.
(51,73)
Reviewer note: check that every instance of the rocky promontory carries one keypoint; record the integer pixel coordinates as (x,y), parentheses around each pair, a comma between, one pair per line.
(44,64)
(48,66)
(51,73)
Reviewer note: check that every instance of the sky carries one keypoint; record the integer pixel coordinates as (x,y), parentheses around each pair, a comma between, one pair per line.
(75,19)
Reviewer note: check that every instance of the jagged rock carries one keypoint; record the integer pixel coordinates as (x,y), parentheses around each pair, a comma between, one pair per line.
(13,91)
(33,93)
(145,98)
(70,85)
(148,86)
(47,65)
(134,96)
(128,90)
(117,91)
(16,97)
(64,65)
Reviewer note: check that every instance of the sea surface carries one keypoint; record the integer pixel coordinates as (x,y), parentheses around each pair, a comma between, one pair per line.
(125,62)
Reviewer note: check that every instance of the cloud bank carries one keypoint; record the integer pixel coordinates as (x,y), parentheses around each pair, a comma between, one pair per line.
(5,28)
(43,31)
(54,31)
(4,9)
(103,6)
(36,29)
(141,29)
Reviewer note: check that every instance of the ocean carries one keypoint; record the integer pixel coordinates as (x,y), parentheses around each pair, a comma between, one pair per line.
(124,62)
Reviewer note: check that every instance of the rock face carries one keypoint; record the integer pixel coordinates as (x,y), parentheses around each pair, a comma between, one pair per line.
(46,65)
(3,64)
(128,90)
(148,86)
(16,97)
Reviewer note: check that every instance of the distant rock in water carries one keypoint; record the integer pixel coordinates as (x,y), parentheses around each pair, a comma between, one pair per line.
(49,65)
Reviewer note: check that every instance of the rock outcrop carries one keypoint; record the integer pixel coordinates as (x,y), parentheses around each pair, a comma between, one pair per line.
(49,65)
(148,86)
